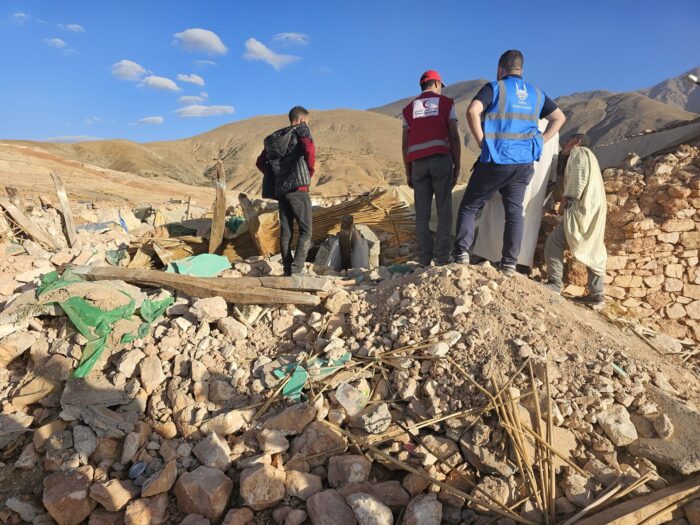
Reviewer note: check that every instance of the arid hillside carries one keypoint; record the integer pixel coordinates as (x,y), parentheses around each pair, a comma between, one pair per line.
(357,151)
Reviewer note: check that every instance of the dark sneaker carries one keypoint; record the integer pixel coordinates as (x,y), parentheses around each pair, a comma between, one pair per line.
(507,269)
(443,262)
(462,258)
(590,300)
(553,287)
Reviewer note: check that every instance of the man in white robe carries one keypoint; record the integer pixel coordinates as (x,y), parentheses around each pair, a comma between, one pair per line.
(489,238)
(582,229)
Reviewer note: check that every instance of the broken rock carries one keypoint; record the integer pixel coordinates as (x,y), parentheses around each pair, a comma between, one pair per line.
(114,494)
(369,510)
(209,309)
(161,481)
(617,425)
(329,508)
(302,485)
(213,451)
(348,469)
(262,487)
(240,516)
(146,511)
(423,510)
(66,496)
(204,491)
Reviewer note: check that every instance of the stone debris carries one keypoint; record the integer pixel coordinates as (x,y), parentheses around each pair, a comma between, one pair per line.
(199,421)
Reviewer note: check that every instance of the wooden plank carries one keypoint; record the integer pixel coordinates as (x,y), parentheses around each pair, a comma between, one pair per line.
(656,507)
(243,290)
(301,283)
(65,209)
(162,253)
(26,224)
(216,235)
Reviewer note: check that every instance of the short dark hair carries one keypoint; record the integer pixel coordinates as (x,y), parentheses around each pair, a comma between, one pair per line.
(297,112)
(428,84)
(511,60)
(584,140)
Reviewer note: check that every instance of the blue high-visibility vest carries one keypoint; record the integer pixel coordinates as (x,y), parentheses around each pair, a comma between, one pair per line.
(511,132)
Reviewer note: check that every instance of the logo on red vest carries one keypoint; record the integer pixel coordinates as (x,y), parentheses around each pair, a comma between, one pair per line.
(426,107)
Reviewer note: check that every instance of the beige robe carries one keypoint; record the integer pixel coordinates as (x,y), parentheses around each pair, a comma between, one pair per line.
(584,219)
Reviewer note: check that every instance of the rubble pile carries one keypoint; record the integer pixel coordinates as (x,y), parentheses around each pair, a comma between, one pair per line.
(653,236)
(136,390)
(197,422)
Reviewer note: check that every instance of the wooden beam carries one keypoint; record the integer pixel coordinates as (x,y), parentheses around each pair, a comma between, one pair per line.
(65,209)
(26,224)
(242,290)
(216,235)
(654,508)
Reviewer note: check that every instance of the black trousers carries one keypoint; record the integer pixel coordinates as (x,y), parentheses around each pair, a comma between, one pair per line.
(511,181)
(295,206)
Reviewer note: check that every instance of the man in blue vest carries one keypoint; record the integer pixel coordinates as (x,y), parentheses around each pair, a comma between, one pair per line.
(503,118)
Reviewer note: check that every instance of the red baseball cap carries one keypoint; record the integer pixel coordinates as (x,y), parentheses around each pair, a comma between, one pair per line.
(431,74)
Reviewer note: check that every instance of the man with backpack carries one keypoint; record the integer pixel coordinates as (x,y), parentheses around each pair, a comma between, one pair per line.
(287,163)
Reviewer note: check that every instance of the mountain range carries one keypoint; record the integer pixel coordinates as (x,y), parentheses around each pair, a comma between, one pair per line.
(360,150)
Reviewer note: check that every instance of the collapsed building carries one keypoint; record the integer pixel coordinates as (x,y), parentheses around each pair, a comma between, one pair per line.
(154,368)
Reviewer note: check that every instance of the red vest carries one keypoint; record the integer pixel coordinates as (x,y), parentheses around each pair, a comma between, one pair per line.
(427,117)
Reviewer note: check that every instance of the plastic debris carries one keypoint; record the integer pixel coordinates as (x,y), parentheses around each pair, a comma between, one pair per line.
(203,265)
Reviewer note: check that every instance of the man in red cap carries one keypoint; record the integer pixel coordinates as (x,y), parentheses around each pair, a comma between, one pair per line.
(432,154)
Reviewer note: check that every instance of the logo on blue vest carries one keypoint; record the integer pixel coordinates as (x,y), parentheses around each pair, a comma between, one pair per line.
(521,92)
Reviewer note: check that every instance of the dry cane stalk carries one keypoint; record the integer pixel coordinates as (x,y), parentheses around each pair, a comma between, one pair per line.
(540,451)
(506,513)
(550,435)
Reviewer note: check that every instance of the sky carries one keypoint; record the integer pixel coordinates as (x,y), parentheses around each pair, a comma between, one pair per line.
(162,70)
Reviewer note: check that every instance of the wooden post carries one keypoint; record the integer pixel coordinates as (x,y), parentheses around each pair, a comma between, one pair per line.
(216,235)
(71,234)
(187,212)
(345,241)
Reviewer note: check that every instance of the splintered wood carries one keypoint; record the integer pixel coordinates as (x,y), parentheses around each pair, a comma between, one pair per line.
(69,224)
(382,210)
(217,222)
(25,224)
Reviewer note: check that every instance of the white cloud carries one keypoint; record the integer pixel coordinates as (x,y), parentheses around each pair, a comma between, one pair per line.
(20,18)
(72,138)
(201,40)
(92,120)
(56,43)
(190,100)
(192,79)
(128,70)
(197,110)
(151,120)
(202,63)
(256,50)
(288,39)
(75,28)
(161,83)
(204,94)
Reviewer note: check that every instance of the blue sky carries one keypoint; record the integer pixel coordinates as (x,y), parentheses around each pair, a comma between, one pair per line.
(64,73)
